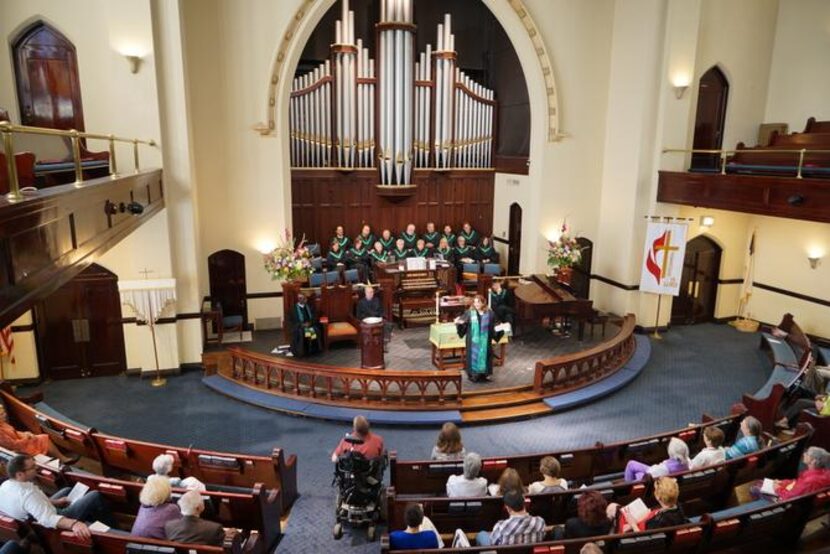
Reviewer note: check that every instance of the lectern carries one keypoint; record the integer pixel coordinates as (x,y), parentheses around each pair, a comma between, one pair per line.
(371,343)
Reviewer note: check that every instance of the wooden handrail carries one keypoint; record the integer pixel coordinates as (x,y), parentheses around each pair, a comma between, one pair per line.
(405,390)
(579,368)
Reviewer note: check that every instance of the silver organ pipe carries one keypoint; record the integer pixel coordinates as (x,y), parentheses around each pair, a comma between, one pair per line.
(429,113)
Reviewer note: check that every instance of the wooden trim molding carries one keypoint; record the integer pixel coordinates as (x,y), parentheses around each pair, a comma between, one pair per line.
(792,294)
(614,283)
(259,295)
(738,281)
(499,240)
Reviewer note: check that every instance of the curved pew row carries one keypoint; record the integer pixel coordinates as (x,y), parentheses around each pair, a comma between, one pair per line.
(118,456)
(255,510)
(429,477)
(767,527)
(700,491)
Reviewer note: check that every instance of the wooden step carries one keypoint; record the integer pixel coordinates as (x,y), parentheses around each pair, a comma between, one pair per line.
(510,412)
(498,400)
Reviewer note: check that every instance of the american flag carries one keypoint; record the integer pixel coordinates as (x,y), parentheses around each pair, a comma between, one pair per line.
(7,342)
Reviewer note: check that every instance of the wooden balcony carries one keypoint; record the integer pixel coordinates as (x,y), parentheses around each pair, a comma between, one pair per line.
(49,237)
(790,197)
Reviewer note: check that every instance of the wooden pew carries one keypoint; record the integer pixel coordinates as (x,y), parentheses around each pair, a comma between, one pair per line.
(119,455)
(429,477)
(25,162)
(814,126)
(821,426)
(703,489)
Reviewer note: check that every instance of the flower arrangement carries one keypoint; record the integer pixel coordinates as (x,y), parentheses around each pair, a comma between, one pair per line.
(288,261)
(565,251)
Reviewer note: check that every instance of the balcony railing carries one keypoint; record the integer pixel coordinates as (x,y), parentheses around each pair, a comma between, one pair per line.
(724,154)
(9,130)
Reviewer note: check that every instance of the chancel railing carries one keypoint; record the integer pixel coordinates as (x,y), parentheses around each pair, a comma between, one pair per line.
(768,160)
(570,371)
(9,130)
(398,111)
(415,390)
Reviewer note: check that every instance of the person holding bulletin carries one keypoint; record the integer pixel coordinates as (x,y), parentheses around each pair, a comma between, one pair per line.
(478,327)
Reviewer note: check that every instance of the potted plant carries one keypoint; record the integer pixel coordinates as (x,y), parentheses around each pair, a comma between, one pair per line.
(288,261)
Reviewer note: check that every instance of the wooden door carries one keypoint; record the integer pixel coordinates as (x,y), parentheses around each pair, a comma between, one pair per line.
(699,283)
(79,329)
(46,71)
(581,278)
(711,115)
(514,235)
(226,272)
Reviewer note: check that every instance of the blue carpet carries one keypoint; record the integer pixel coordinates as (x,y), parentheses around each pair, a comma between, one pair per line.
(696,369)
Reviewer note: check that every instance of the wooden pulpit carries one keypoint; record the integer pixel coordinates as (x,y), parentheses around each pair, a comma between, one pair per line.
(371,345)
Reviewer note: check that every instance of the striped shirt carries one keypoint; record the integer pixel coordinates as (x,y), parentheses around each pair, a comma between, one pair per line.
(518,529)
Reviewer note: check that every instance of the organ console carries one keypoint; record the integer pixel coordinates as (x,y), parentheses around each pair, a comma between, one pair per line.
(413,298)
(542,297)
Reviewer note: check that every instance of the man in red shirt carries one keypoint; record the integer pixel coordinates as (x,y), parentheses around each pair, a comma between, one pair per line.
(372,446)
(814,478)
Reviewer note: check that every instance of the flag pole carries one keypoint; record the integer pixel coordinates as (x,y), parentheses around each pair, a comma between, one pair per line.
(656,334)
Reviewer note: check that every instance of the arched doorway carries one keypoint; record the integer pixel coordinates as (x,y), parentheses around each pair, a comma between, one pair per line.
(581,279)
(79,327)
(712,95)
(514,237)
(46,71)
(226,272)
(699,284)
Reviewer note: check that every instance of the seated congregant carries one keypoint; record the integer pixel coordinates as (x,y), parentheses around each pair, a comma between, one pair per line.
(25,442)
(449,445)
(666,492)
(387,239)
(677,461)
(485,253)
(372,446)
(820,403)
(449,235)
(814,477)
(341,238)
(502,303)
(470,235)
(519,528)
(156,508)
(21,499)
(510,480)
(163,466)
(591,519)
(421,250)
(336,256)
(366,236)
(713,453)
(400,252)
(413,537)
(751,440)
(549,467)
(191,528)
(431,236)
(409,237)
(307,335)
(469,483)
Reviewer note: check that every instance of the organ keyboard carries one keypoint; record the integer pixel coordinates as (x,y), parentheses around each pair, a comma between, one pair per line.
(413,300)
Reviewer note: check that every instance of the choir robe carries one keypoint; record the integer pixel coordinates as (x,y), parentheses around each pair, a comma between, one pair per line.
(368,240)
(388,245)
(431,238)
(374,259)
(409,240)
(502,306)
(447,254)
(487,255)
(425,253)
(472,238)
(334,258)
(478,333)
(401,254)
(343,241)
(300,344)
(450,239)
(459,253)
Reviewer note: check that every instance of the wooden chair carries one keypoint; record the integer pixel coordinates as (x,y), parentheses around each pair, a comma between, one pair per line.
(229,323)
(337,319)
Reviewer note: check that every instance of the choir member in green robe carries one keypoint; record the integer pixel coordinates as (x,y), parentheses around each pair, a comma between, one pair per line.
(387,240)
(449,235)
(469,234)
(431,237)
(409,236)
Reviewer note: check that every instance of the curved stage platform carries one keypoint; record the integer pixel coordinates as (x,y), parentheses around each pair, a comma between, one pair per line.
(426,397)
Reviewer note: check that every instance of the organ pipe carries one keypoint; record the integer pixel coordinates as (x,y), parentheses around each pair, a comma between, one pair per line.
(403,110)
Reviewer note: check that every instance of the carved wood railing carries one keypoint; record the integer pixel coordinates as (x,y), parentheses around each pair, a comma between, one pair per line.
(402,390)
(571,371)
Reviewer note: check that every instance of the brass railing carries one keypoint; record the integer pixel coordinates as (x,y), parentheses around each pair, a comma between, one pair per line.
(725,153)
(8,130)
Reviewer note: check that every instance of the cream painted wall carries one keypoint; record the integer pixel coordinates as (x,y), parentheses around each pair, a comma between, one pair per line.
(114,100)
(799,80)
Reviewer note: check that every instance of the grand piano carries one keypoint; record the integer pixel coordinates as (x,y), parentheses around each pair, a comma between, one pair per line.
(542,297)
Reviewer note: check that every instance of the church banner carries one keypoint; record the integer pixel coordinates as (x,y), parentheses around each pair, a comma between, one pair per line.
(663,258)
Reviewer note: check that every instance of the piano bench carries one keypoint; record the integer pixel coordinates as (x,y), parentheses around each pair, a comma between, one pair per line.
(598,318)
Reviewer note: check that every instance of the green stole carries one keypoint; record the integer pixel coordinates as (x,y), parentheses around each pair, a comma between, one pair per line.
(378,256)
(487,252)
(444,251)
(407,238)
(400,253)
(369,241)
(387,244)
(460,252)
(431,237)
(450,239)
(472,237)
(337,255)
(360,253)
(479,336)
(420,253)
(342,241)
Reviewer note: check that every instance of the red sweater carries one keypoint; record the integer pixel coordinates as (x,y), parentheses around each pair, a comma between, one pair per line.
(810,480)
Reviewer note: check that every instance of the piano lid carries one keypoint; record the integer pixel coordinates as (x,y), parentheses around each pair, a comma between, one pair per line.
(542,290)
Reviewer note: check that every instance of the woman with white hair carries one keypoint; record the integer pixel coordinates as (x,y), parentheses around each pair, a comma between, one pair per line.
(468,484)
(156,508)
(815,477)
(163,465)
(677,461)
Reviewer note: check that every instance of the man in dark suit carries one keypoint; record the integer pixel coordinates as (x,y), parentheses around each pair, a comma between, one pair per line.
(370,306)
(191,528)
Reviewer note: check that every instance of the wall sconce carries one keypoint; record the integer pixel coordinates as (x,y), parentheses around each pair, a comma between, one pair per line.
(681,82)
(134,61)
(707,221)
(814,260)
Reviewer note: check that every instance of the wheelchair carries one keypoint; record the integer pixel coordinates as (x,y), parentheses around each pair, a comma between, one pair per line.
(360,492)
